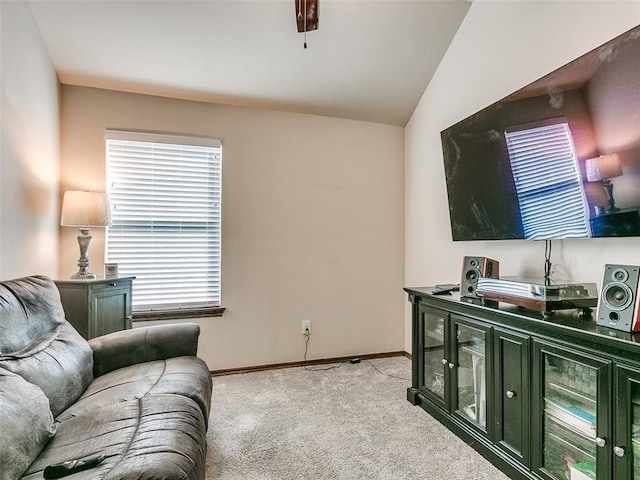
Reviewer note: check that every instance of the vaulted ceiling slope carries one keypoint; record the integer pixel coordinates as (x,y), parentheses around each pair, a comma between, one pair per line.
(370,60)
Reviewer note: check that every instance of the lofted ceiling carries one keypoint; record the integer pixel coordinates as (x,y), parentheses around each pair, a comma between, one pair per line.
(369,60)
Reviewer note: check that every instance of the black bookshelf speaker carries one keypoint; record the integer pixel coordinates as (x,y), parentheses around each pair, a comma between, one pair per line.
(472,269)
(618,306)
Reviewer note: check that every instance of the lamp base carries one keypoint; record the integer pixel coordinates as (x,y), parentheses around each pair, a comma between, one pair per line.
(83,275)
(84,240)
(611,203)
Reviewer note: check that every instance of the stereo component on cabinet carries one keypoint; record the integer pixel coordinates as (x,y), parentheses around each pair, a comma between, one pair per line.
(97,307)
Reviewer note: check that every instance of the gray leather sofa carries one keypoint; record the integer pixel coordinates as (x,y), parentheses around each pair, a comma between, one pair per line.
(139,397)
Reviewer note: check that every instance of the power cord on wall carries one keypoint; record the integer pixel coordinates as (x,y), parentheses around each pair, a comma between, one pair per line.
(316,369)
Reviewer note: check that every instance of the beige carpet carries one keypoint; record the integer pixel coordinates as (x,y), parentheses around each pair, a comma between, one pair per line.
(352,422)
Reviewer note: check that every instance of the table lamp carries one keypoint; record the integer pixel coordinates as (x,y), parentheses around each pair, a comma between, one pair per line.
(85,210)
(604,168)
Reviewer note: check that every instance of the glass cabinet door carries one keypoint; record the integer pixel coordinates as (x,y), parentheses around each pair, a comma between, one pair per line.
(434,361)
(471,373)
(626,448)
(573,402)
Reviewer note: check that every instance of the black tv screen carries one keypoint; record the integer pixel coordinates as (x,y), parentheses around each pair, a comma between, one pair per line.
(559,158)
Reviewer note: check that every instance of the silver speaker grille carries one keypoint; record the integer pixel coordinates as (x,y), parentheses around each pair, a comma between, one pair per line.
(617,296)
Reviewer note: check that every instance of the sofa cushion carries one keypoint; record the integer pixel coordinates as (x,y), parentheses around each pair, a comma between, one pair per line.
(31,311)
(187,376)
(26,424)
(63,370)
(160,437)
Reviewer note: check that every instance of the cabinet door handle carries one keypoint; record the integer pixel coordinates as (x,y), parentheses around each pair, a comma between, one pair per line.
(113,284)
(451,365)
(510,394)
(601,442)
(445,361)
(619,451)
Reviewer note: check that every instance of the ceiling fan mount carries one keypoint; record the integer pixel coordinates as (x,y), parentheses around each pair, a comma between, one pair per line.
(306,17)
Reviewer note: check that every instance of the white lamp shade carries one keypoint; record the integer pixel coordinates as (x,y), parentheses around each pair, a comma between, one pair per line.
(85,209)
(603,167)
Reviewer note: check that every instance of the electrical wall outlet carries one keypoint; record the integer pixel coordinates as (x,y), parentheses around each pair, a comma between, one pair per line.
(306,327)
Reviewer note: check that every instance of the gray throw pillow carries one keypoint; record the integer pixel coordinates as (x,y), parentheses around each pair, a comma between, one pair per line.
(26,424)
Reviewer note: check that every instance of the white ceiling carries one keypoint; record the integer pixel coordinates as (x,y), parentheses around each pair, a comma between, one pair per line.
(369,60)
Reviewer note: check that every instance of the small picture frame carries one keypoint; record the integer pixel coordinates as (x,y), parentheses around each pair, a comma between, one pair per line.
(110,270)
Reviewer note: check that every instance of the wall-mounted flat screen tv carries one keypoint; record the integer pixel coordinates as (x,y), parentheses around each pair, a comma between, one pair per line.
(559,158)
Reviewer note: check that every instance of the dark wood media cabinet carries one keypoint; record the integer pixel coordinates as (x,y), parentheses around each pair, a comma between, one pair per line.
(541,398)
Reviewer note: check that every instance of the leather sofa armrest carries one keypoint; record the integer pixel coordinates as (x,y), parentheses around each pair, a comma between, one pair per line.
(129,347)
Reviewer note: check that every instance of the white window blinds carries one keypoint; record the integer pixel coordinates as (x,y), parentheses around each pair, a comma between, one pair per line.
(548,183)
(166,222)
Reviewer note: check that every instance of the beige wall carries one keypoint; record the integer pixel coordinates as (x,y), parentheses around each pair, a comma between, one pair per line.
(500,47)
(312,222)
(29,155)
